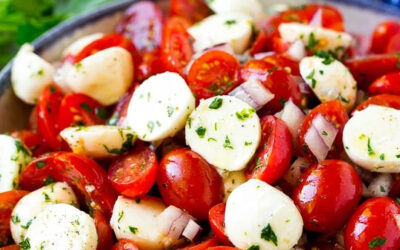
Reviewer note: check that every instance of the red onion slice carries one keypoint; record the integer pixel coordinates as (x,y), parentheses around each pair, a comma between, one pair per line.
(293,116)
(297,50)
(293,174)
(316,144)
(192,229)
(326,129)
(172,221)
(316,20)
(253,93)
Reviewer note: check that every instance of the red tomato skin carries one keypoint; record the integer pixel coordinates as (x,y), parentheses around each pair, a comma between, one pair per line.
(124,244)
(327,195)
(151,64)
(382,34)
(76,170)
(216,217)
(120,111)
(283,60)
(274,153)
(269,30)
(393,45)
(392,101)
(193,10)
(187,181)
(335,113)
(104,231)
(32,140)
(374,218)
(11,247)
(219,78)
(386,84)
(211,242)
(143,24)
(223,248)
(138,169)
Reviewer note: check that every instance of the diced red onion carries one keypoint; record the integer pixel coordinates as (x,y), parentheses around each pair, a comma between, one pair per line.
(297,50)
(326,129)
(380,185)
(293,116)
(293,174)
(261,55)
(172,221)
(316,20)
(253,93)
(192,229)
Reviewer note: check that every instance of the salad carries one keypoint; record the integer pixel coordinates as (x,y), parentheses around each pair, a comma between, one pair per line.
(213,126)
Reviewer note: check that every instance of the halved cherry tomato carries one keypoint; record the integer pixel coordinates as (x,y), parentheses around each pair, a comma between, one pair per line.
(367,69)
(269,30)
(80,110)
(393,45)
(176,47)
(104,231)
(187,181)
(135,173)
(143,23)
(211,242)
(118,117)
(7,204)
(273,156)
(283,60)
(279,45)
(331,187)
(382,34)
(193,10)
(216,217)
(387,84)
(336,114)
(47,110)
(215,72)
(392,101)
(32,140)
(11,247)
(83,174)
(374,225)
(150,65)
(283,85)
(125,244)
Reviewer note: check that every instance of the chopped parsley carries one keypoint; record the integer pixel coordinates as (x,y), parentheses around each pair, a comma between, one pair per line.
(397,156)
(201,131)
(211,139)
(15,219)
(170,111)
(52,89)
(227,143)
(48,180)
(230,22)
(120,215)
(189,122)
(370,149)
(86,107)
(126,146)
(324,133)
(245,114)
(312,42)
(397,200)
(247,143)
(28,224)
(382,157)
(254,247)
(216,103)
(40,164)
(150,126)
(25,244)
(46,197)
(101,113)
(282,101)
(382,189)
(311,77)
(133,229)
(268,234)
(21,148)
(342,99)
(376,242)
(78,66)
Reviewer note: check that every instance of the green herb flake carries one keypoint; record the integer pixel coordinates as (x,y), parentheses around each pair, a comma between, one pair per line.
(25,244)
(382,189)
(227,143)
(254,247)
(48,180)
(312,42)
(230,22)
(133,230)
(15,219)
(46,197)
(370,149)
(382,157)
(40,164)
(189,122)
(248,143)
(120,215)
(211,139)
(28,224)
(245,114)
(268,234)
(324,133)
(150,126)
(102,113)
(170,111)
(398,156)
(311,77)
(216,103)
(85,107)
(376,242)
(201,131)
(342,99)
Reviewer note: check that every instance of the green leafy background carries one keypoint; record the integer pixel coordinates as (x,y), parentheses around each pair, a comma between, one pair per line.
(22,21)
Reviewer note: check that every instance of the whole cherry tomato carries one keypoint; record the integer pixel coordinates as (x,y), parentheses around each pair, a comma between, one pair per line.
(8,200)
(382,34)
(215,72)
(104,231)
(125,244)
(327,195)
(387,100)
(374,225)
(134,174)
(387,84)
(32,140)
(335,113)
(176,47)
(211,242)
(269,30)
(187,181)
(273,156)
(216,217)
(393,45)
(193,10)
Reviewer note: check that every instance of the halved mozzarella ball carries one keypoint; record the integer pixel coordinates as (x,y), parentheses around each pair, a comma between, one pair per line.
(257,214)
(225,131)
(99,141)
(14,156)
(28,208)
(231,179)
(252,8)
(60,76)
(104,76)
(160,106)
(234,28)
(78,45)
(62,226)
(137,221)
(30,74)
(329,79)
(371,139)
(320,38)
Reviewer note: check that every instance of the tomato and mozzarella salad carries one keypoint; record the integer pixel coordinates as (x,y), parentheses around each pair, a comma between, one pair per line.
(211,126)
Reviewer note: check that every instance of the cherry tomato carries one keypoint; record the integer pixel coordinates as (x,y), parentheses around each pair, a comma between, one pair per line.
(269,30)
(118,117)
(143,23)
(327,195)
(374,225)
(283,61)
(193,10)
(187,181)
(213,73)
(223,248)
(382,34)
(47,110)
(336,114)
(367,69)
(211,242)
(80,110)
(279,45)
(395,189)
(393,45)
(32,122)
(11,247)
(216,217)
(176,47)
(32,140)
(83,174)
(273,156)
(387,100)
(7,204)
(125,244)
(387,84)
(104,231)
(151,64)
(135,173)
(275,79)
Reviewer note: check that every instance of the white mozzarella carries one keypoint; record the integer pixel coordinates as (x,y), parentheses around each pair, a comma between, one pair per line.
(326,39)
(104,76)
(225,131)
(30,74)
(372,139)
(252,8)
(60,76)
(137,220)
(256,208)
(160,106)
(231,179)
(14,156)
(234,28)
(62,226)
(329,80)
(99,141)
(28,208)
(78,45)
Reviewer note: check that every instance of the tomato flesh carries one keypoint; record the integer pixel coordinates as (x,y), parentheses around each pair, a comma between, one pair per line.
(382,34)
(216,217)
(387,84)
(193,10)
(124,244)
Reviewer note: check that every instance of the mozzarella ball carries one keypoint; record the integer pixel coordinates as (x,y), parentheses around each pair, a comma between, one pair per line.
(252,8)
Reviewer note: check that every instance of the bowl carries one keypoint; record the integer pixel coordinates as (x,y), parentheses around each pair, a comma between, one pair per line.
(360,17)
